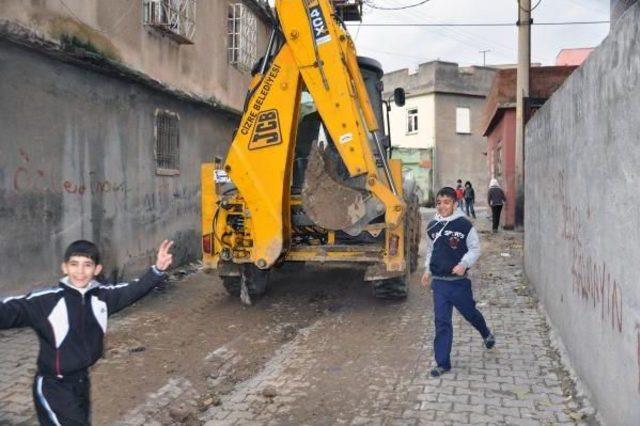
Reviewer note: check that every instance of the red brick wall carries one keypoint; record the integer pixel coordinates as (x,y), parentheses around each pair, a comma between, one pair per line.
(503,136)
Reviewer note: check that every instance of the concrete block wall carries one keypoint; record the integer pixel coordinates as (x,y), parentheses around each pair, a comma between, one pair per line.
(77,161)
(582,227)
(460,156)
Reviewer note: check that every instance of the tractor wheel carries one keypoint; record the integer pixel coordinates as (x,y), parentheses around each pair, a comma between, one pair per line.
(255,281)
(397,288)
(232,285)
(391,289)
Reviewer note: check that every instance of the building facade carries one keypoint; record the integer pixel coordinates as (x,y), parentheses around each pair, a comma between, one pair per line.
(500,125)
(108,108)
(438,132)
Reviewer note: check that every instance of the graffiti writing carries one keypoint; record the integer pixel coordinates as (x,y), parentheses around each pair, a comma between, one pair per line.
(28,178)
(166,198)
(591,279)
(167,202)
(593,283)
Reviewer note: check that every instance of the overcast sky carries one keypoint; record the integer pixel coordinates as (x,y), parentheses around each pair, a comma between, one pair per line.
(406,47)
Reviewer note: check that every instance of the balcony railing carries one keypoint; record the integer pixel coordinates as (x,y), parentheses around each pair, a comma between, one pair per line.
(173,18)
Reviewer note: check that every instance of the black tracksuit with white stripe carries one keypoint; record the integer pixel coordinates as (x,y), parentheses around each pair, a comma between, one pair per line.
(70,324)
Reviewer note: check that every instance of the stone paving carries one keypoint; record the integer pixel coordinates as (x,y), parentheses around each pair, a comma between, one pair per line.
(18,351)
(518,382)
(521,381)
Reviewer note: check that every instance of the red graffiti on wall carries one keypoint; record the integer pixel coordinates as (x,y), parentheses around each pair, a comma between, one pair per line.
(27,178)
(591,280)
(593,283)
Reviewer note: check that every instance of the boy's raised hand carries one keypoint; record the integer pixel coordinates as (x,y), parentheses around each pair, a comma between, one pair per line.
(164,259)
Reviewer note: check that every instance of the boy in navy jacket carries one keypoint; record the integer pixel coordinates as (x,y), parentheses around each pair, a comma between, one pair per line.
(71,321)
(453,247)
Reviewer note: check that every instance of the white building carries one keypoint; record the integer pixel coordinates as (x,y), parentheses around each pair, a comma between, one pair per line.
(437,133)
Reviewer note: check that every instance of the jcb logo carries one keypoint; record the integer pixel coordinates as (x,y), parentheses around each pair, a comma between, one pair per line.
(320,30)
(267,131)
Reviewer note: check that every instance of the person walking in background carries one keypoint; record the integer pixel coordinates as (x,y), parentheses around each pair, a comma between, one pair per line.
(495,199)
(460,194)
(469,199)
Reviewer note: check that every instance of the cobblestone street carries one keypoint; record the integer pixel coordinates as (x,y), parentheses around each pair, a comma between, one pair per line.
(320,350)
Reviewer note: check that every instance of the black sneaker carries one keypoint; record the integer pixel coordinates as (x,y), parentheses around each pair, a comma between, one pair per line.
(489,341)
(438,371)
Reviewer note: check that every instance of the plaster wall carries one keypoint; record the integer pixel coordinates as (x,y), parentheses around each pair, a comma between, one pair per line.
(460,155)
(77,161)
(581,226)
(114,29)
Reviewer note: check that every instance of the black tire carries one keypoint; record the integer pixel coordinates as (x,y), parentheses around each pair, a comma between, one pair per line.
(256,280)
(232,285)
(398,288)
(392,289)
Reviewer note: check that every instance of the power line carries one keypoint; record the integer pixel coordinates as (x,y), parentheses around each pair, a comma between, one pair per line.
(357,32)
(386,52)
(372,5)
(529,10)
(500,24)
(570,23)
(466,38)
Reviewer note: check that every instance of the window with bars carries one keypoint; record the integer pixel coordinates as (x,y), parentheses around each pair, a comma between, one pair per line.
(242,28)
(412,120)
(167,134)
(173,18)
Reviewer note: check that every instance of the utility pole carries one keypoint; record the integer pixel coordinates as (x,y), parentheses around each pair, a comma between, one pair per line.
(522,92)
(484,56)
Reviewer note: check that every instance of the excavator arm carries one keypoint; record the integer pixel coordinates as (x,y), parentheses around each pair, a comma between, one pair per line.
(315,52)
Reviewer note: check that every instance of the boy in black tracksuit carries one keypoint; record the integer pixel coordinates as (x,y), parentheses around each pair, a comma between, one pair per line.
(71,321)
(453,247)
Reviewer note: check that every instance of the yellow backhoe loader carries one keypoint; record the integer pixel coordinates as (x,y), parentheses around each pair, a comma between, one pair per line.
(308,176)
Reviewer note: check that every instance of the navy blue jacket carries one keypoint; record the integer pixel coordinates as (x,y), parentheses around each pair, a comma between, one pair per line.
(451,241)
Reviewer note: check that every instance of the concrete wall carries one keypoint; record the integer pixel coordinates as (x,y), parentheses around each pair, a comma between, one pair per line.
(77,161)
(114,30)
(618,7)
(582,241)
(460,156)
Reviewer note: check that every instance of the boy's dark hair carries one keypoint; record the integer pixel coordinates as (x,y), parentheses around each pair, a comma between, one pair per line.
(82,248)
(447,191)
